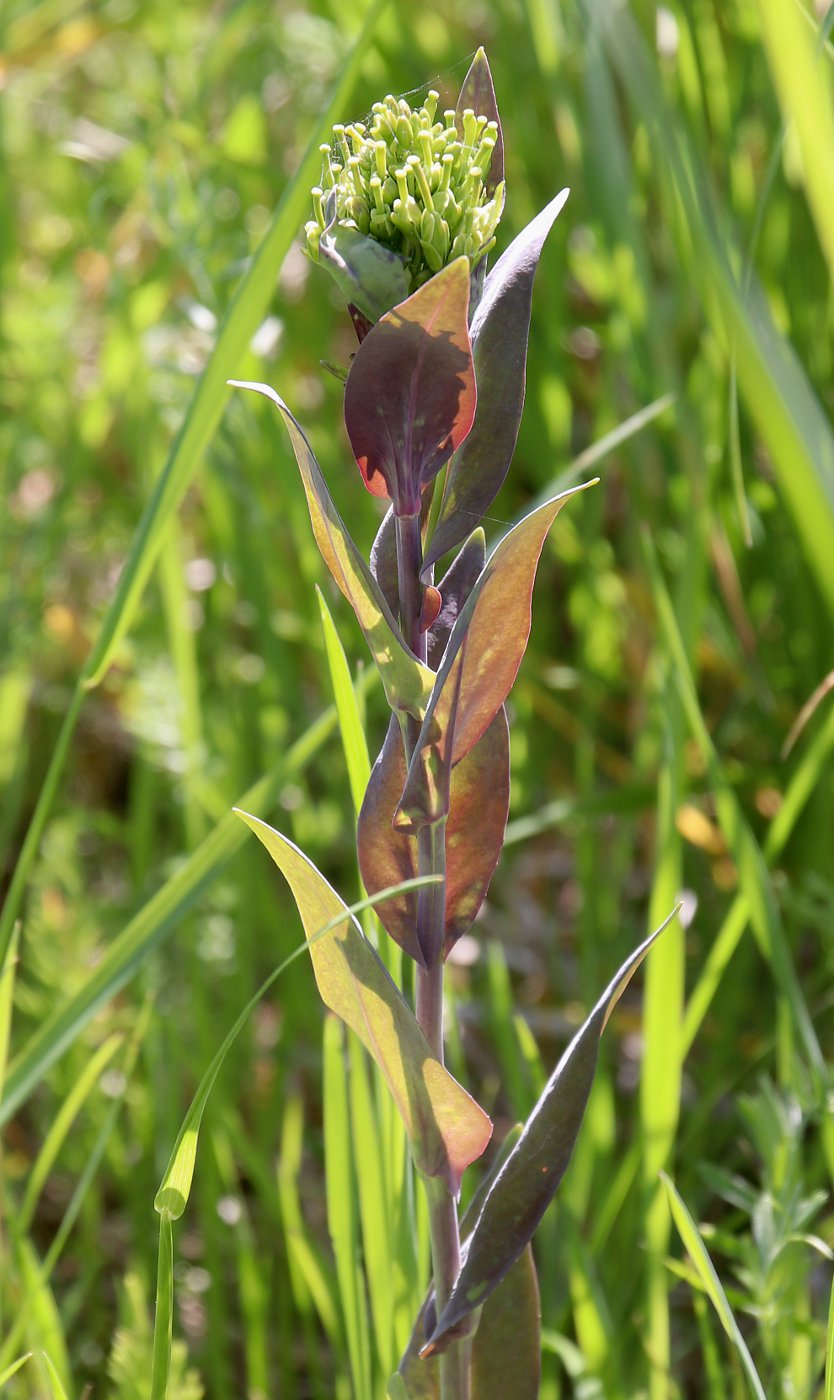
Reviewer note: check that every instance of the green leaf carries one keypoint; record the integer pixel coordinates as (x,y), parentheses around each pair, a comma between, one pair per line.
(500,331)
(406,681)
(446,1128)
(506,1352)
(410,395)
(480,664)
(696,1249)
(370,276)
(530,1177)
(474,834)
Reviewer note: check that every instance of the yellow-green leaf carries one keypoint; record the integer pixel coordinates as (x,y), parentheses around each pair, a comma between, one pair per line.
(446,1128)
(407,682)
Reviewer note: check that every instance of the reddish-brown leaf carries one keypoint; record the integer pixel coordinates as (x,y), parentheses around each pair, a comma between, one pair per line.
(410,394)
(479,802)
(479,667)
(499,333)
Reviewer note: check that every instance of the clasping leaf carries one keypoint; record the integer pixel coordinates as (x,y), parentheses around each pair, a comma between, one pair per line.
(445,1126)
(479,666)
(531,1175)
(499,333)
(410,395)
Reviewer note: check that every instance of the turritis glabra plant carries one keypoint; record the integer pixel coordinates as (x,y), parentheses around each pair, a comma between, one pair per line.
(404,219)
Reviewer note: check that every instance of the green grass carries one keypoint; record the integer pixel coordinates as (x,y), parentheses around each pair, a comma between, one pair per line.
(163,660)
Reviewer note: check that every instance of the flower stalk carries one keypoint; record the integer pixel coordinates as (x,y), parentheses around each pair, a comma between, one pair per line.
(404,220)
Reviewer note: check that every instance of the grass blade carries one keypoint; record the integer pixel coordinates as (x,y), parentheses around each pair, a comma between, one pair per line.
(61,1126)
(777,392)
(609,442)
(206,408)
(14,1368)
(41,1274)
(155,921)
(694,1245)
(163,1327)
(829,1351)
(204,413)
(7,979)
(805,96)
(175,1187)
(341,1206)
(660,1079)
(803,783)
(55,1385)
(741,842)
(354,742)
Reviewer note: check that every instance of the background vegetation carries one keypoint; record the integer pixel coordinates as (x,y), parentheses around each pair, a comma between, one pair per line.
(683,617)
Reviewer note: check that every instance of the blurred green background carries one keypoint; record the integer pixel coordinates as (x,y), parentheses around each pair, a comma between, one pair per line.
(682,619)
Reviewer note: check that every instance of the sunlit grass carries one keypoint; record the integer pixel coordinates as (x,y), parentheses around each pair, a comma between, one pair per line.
(145,154)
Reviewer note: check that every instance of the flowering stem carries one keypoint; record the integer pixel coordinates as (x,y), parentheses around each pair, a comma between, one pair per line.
(431,905)
(409,563)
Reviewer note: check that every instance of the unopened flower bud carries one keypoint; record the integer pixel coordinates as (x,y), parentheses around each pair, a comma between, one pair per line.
(413,181)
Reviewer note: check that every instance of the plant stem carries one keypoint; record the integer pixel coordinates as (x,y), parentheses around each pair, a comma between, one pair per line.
(409,563)
(431,906)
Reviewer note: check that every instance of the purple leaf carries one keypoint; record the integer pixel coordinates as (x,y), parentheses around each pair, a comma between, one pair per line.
(506,1349)
(478,805)
(454,588)
(530,1177)
(500,331)
(478,93)
(410,395)
(479,666)
(384,561)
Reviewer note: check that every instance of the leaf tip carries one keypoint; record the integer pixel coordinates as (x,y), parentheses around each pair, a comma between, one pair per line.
(246,817)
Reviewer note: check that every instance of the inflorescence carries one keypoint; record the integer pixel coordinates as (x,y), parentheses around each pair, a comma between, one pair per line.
(413,183)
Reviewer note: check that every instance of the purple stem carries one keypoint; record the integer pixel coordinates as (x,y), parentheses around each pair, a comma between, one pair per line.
(431,905)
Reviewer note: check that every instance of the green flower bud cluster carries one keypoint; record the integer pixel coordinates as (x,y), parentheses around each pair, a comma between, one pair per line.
(413,183)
